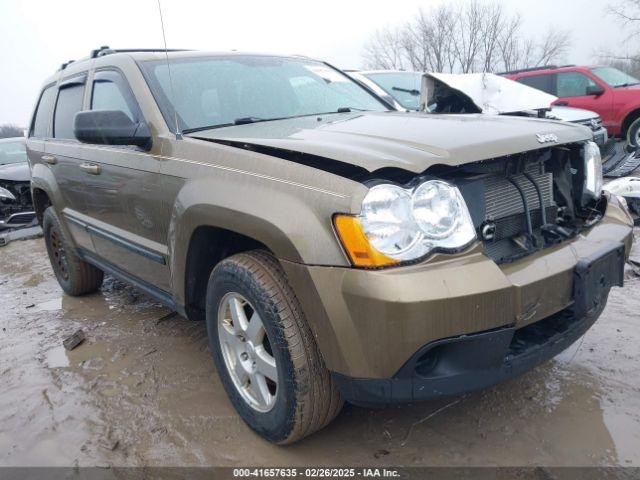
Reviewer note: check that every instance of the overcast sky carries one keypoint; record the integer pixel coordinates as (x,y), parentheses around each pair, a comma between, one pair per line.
(37,36)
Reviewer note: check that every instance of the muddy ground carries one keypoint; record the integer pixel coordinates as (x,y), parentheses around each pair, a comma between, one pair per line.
(142,390)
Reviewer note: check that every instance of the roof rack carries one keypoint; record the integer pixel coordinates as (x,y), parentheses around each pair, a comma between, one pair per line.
(66,64)
(105,50)
(533,69)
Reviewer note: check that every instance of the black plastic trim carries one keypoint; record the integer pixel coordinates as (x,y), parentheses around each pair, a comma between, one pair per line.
(126,244)
(160,295)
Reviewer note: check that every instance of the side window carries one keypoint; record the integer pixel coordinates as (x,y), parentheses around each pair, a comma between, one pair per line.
(111,92)
(42,118)
(573,84)
(540,82)
(69,103)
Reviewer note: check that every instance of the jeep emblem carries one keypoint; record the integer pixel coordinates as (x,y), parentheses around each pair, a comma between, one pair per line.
(547,137)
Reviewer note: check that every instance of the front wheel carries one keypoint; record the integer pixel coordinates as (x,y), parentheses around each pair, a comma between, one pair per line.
(633,134)
(265,354)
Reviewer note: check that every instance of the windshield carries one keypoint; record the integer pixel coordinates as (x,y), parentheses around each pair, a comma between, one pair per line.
(403,86)
(232,90)
(614,77)
(12,152)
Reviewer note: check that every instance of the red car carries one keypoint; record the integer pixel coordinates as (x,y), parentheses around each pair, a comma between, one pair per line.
(613,94)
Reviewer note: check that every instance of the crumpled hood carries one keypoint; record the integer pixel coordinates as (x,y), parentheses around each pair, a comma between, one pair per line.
(16,172)
(411,141)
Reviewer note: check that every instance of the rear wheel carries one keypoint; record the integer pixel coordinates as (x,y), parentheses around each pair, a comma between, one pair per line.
(75,276)
(264,351)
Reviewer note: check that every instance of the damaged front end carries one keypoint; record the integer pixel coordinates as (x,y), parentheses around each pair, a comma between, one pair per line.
(527,202)
(16,204)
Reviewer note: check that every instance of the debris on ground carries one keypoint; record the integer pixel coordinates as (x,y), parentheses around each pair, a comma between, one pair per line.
(74,340)
(166,317)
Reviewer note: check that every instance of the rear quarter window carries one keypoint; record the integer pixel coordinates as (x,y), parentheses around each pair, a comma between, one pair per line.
(539,82)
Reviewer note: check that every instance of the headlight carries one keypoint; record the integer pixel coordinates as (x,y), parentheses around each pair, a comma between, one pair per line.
(4,193)
(592,171)
(398,224)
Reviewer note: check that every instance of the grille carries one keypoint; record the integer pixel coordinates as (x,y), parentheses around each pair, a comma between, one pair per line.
(502,198)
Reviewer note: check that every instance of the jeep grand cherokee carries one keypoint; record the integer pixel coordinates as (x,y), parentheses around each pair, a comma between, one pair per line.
(337,250)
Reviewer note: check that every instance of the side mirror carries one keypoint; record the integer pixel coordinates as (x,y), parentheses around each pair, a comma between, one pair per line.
(111,127)
(596,90)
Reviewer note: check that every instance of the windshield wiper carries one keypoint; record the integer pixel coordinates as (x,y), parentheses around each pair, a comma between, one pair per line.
(628,84)
(345,110)
(245,120)
(412,91)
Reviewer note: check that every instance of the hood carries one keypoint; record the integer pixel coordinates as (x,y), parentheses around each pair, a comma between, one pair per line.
(410,141)
(571,114)
(16,172)
(489,93)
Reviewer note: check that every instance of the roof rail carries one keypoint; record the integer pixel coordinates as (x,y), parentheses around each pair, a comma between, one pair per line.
(66,64)
(105,50)
(533,69)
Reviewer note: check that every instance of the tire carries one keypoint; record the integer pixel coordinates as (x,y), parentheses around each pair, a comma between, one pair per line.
(633,134)
(75,276)
(305,397)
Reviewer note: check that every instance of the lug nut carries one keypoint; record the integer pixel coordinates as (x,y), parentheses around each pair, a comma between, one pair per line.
(244,355)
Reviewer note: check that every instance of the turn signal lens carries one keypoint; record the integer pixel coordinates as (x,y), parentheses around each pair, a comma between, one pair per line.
(360,251)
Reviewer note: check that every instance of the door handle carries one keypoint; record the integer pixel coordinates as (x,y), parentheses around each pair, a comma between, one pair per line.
(90,168)
(50,159)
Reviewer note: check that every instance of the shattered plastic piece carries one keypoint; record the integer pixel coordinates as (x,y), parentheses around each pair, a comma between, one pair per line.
(74,340)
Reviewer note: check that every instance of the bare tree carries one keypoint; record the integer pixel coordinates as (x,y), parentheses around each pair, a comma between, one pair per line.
(384,50)
(9,130)
(427,41)
(467,41)
(555,45)
(628,12)
(515,52)
(471,36)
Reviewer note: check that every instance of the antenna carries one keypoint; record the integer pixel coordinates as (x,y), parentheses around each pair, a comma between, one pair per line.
(173,96)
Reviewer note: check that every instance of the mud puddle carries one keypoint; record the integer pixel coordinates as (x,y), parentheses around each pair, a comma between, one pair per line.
(142,390)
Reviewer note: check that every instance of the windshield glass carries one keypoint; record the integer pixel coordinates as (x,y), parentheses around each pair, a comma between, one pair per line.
(403,86)
(12,152)
(614,77)
(228,90)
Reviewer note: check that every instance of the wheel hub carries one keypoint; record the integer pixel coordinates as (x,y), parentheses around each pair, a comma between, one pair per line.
(247,353)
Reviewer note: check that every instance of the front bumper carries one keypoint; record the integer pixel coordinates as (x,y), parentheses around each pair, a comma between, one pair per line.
(471,362)
(369,324)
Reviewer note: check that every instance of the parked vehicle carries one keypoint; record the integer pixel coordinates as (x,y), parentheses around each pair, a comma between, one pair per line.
(613,94)
(16,207)
(337,250)
(402,90)
(399,88)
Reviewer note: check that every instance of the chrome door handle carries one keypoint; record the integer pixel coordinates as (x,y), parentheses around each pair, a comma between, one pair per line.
(50,159)
(90,168)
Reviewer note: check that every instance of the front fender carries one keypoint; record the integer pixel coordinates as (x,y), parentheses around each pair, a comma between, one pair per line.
(295,227)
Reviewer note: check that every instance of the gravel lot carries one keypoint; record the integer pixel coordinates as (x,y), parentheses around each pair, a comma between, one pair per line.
(142,390)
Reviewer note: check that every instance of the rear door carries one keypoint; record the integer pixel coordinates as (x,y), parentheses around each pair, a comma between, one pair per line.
(63,155)
(123,192)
